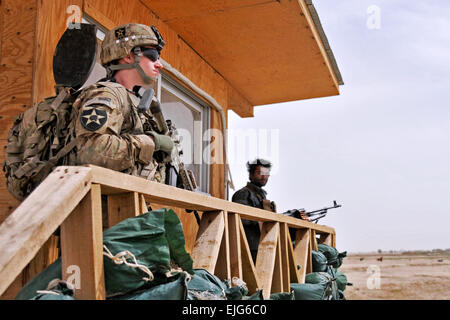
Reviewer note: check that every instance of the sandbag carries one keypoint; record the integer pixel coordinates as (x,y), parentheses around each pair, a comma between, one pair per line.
(319,261)
(333,256)
(56,290)
(175,289)
(341,281)
(206,286)
(310,291)
(40,281)
(283,296)
(147,243)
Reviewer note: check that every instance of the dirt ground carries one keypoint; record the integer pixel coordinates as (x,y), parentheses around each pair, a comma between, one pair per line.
(399,276)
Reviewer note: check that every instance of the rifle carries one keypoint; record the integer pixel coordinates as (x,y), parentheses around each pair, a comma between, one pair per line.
(321,212)
(176,173)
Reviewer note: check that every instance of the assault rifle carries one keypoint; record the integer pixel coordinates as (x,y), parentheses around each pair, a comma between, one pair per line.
(321,212)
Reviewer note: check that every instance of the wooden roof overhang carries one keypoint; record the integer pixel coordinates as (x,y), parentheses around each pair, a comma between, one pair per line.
(268,51)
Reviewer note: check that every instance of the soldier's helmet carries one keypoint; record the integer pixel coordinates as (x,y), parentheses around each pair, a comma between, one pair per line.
(119,42)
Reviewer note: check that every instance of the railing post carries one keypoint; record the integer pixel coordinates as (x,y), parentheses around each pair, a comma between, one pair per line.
(82,247)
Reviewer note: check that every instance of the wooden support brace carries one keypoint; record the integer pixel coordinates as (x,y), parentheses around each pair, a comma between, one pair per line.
(249,274)
(278,276)
(209,238)
(82,248)
(234,221)
(223,269)
(285,266)
(294,266)
(267,252)
(326,238)
(302,253)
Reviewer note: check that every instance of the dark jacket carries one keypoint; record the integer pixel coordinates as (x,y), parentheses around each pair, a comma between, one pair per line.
(253,196)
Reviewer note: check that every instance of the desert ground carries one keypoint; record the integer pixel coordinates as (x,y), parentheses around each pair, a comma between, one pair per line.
(398,276)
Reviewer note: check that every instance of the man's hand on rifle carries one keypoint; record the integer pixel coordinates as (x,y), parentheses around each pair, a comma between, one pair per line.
(303,215)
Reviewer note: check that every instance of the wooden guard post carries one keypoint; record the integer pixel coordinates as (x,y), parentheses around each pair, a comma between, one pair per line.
(71,198)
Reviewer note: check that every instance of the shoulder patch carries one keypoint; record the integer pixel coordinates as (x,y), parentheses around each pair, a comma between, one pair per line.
(100,100)
(93,118)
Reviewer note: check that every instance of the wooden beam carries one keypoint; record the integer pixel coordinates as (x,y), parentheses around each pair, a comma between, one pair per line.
(278,274)
(209,237)
(267,252)
(82,248)
(294,267)
(314,241)
(115,182)
(235,245)
(24,232)
(123,206)
(302,253)
(223,269)
(326,238)
(249,274)
(284,248)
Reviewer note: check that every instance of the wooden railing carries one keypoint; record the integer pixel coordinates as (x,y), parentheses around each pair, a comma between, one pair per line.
(70,198)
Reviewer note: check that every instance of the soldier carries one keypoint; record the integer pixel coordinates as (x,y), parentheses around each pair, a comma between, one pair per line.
(111,132)
(255,196)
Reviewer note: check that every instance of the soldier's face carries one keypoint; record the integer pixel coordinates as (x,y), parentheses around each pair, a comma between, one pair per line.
(151,68)
(260,176)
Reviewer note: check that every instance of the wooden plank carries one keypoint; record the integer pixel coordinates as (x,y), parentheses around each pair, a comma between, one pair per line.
(223,269)
(235,245)
(267,251)
(116,182)
(314,240)
(284,249)
(278,276)
(294,268)
(249,274)
(326,238)
(142,205)
(82,247)
(122,206)
(27,229)
(209,238)
(16,75)
(302,253)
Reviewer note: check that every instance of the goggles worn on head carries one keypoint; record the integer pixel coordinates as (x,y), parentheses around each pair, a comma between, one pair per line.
(150,53)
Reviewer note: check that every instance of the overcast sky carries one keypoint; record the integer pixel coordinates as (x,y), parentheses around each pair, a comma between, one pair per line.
(382,147)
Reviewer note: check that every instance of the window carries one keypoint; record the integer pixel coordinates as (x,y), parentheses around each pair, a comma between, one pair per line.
(191,118)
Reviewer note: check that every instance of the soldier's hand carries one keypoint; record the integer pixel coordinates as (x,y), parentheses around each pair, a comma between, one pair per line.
(162,142)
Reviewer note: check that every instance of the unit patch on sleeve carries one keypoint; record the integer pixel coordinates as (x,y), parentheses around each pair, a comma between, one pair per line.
(93,119)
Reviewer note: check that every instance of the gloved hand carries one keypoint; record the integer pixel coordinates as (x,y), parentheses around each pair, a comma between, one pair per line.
(162,142)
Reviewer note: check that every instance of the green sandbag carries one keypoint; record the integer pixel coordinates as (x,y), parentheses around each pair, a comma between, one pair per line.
(59,291)
(333,256)
(283,296)
(319,261)
(318,277)
(309,291)
(153,238)
(40,281)
(176,289)
(341,280)
(206,286)
(258,295)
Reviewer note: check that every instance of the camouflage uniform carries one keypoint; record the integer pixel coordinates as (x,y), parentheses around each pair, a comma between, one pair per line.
(111,134)
(110,131)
